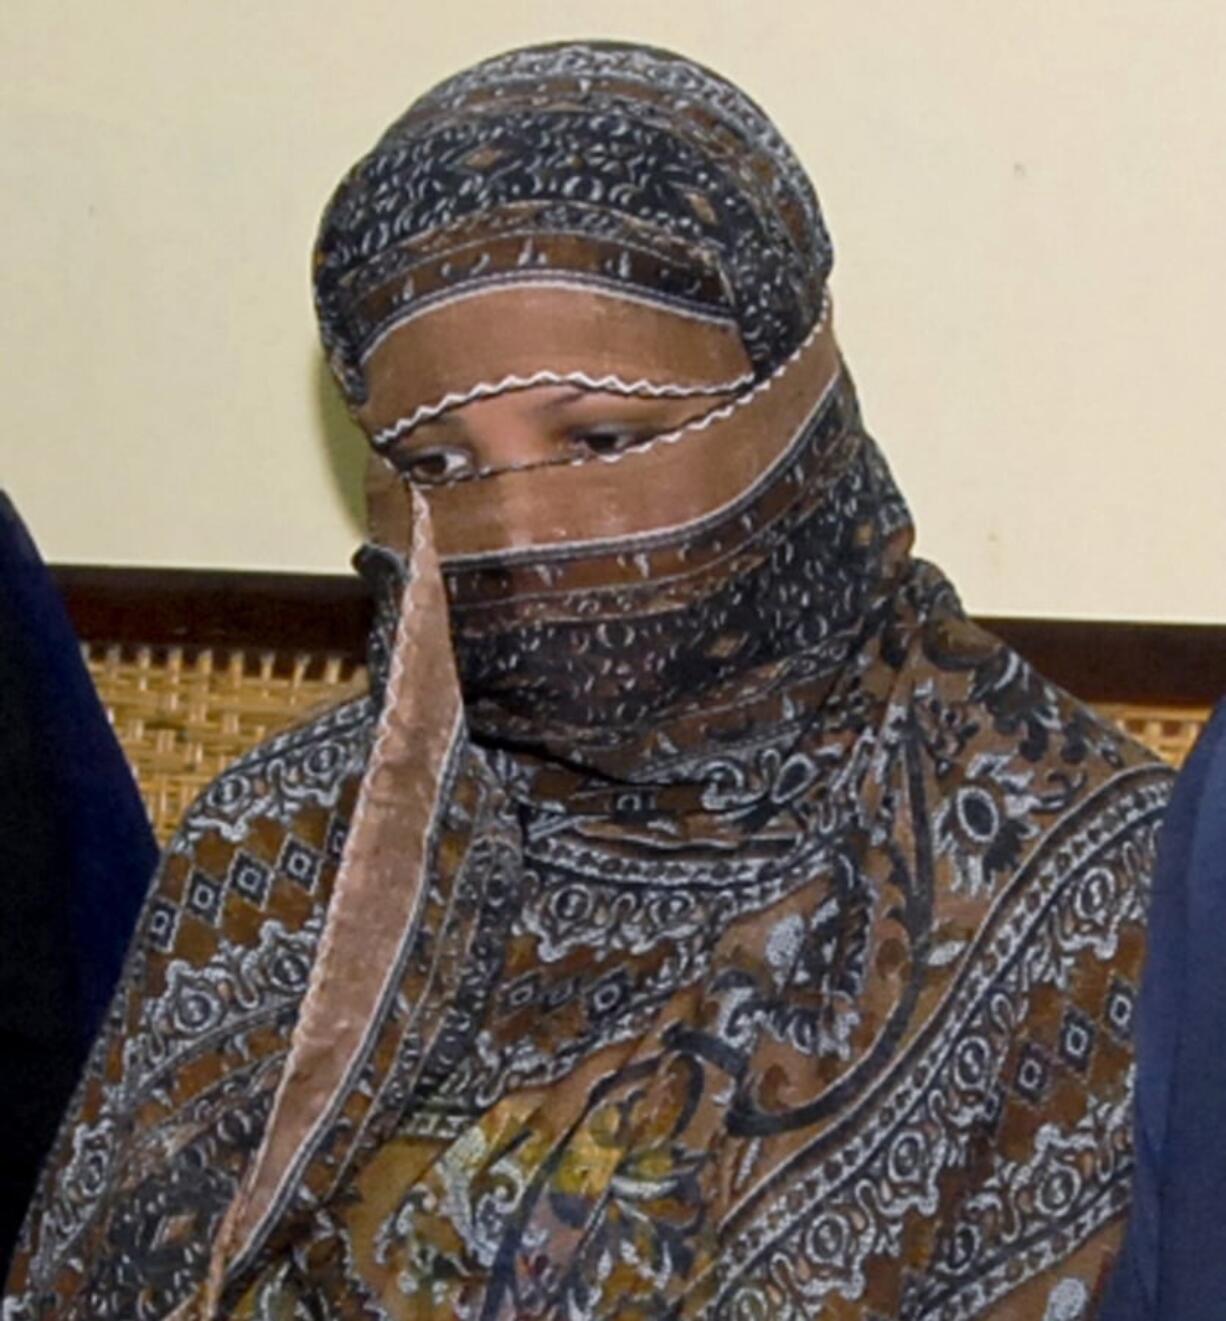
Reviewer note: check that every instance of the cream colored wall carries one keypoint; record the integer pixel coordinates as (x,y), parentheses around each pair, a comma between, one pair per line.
(1028,200)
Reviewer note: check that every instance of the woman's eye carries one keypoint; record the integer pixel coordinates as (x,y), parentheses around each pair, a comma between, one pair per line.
(431,466)
(609,440)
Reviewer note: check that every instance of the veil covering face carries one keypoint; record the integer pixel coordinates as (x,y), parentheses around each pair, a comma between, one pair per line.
(700,917)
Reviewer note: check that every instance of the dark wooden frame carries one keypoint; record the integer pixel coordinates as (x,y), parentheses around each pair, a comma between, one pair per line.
(1115,661)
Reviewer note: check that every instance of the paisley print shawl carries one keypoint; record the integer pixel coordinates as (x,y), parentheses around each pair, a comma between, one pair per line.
(700,917)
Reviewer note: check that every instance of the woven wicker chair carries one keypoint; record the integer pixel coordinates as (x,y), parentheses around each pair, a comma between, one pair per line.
(182,719)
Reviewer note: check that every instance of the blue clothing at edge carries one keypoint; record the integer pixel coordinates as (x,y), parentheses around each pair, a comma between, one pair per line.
(1173,1263)
(76,857)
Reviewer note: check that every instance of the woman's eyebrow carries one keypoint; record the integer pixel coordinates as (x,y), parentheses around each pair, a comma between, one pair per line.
(633,403)
(568,394)
(444,424)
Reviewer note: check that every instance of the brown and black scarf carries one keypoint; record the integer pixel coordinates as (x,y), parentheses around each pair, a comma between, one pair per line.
(700,917)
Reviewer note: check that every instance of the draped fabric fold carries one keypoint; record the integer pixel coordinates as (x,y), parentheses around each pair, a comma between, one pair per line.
(701,917)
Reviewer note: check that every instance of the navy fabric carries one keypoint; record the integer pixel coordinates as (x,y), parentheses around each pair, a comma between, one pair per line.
(1173,1264)
(76,856)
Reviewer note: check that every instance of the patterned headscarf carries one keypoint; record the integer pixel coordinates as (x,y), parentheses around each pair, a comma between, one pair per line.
(701,917)
(602,166)
(620,219)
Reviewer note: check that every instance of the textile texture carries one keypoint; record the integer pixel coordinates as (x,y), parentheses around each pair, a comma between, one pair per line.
(700,917)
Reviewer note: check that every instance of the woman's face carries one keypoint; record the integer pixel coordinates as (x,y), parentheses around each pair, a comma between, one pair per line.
(539,425)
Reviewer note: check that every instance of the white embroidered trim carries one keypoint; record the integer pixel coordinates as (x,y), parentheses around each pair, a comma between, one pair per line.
(611,384)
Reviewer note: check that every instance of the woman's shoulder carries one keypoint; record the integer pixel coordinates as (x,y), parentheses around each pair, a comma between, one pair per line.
(1022,710)
(215,971)
(311,765)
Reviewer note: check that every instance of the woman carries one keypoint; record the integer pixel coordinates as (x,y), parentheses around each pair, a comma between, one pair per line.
(700,917)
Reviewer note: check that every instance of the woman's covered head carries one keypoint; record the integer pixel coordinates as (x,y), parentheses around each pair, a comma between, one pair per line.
(578,292)
(612,217)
